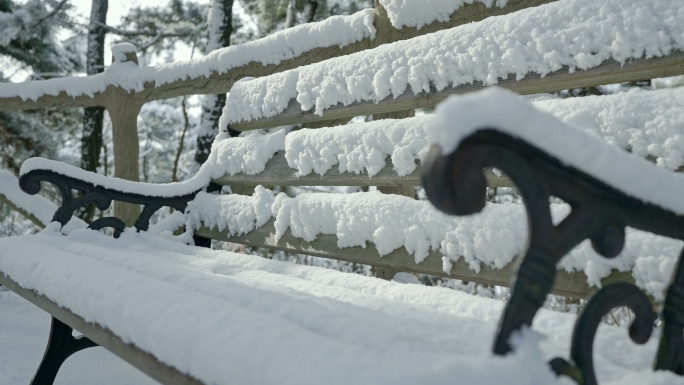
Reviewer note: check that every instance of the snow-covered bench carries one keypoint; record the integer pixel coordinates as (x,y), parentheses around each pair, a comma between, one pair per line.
(163,306)
(191,315)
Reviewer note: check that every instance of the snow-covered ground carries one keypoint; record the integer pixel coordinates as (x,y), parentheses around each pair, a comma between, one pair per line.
(24,330)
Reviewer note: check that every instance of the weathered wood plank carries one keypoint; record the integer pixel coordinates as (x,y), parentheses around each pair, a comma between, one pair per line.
(145,362)
(608,72)
(221,82)
(21,211)
(278,173)
(567,284)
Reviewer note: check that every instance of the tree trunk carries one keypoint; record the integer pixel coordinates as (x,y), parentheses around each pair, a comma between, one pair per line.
(309,10)
(220,21)
(91,139)
(291,14)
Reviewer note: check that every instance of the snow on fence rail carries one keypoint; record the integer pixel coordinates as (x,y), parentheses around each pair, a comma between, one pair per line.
(218,71)
(412,236)
(389,152)
(546,48)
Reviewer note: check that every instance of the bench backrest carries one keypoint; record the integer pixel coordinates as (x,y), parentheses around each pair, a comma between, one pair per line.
(285,94)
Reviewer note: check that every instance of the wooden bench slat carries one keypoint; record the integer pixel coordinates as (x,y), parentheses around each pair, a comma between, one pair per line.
(143,361)
(278,173)
(567,284)
(608,72)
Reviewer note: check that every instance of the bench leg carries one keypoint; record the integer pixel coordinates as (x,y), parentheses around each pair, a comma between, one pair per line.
(61,345)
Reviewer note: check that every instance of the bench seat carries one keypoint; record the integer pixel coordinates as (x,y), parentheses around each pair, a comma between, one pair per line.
(225,318)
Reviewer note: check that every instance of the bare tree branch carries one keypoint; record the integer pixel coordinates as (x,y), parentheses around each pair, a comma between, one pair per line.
(154,34)
(50,15)
(186,124)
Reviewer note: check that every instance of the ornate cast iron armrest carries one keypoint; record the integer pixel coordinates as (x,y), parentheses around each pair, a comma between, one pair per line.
(102,197)
(455,184)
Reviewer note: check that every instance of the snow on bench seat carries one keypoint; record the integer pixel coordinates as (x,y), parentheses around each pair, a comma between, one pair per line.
(491,238)
(579,34)
(227,318)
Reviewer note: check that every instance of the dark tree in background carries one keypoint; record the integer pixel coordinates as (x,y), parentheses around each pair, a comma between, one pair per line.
(91,139)
(310,7)
(30,50)
(219,28)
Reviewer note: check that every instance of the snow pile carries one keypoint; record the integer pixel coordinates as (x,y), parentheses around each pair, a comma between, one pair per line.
(495,107)
(493,237)
(36,205)
(246,154)
(646,123)
(273,49)
(311,325)
(414,13)
(580,34)
(238,214)
(24,331)
(120,51)
(359,147)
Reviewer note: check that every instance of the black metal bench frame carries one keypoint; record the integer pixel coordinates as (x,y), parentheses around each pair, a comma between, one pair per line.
(455,184)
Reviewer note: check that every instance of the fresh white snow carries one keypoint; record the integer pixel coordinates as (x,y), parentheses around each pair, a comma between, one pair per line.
(628,120)
(646,123)
(359,147)
(493,237)
(580,34)
(230,318)
(414,13)
(501,109)
(247,154)
(120,50)
(273,49)
(24,330)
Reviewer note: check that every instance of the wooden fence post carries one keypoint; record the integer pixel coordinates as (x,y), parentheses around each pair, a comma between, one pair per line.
(123,111)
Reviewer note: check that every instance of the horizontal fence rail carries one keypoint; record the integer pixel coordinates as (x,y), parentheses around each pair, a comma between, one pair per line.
(567,284)
(608,72)
(218,83)
(278,173)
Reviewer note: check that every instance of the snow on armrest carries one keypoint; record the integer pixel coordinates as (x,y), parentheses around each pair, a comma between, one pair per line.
(111,183)
(35,205)
(495,108)
(247,154)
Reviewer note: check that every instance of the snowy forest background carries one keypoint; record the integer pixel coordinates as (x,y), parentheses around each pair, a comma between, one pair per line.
(42,39)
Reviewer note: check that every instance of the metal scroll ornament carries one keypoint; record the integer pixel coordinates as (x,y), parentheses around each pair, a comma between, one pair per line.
(456,185)
(62,344)
(102,197)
